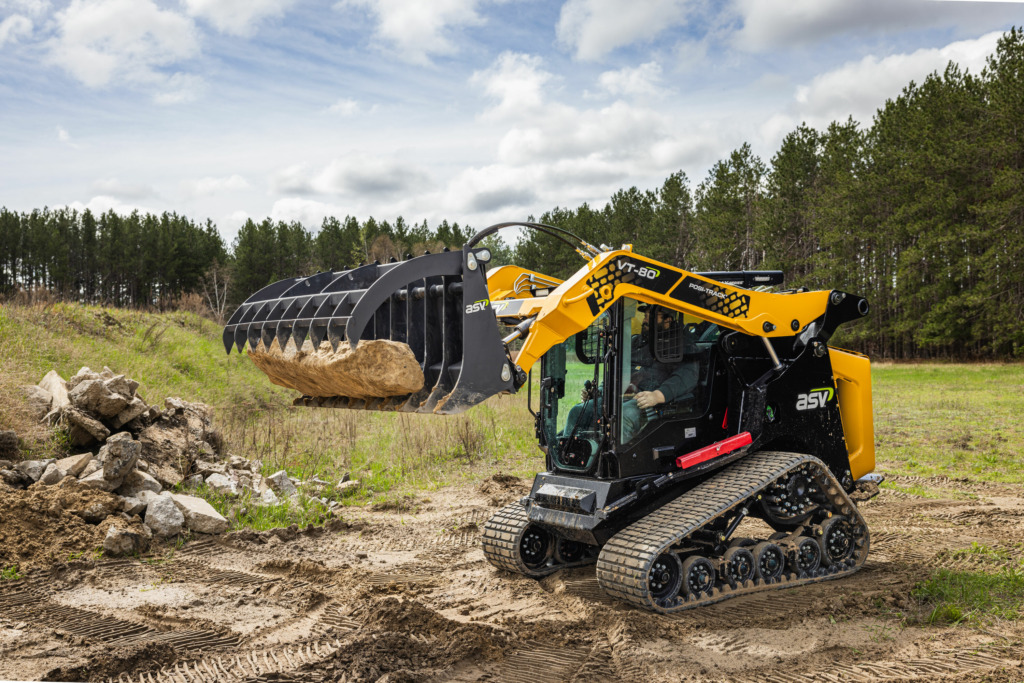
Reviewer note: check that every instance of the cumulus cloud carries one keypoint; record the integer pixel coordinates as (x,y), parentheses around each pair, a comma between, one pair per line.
(859,88)
(294,179)
(210,186)
(642,80)
(309,212)
(14,27)
(491,188)
(104,203)
(115,188)
(516,81)
(238,17)
(102,42)
(417,30)
(354,175)
(770,24)
(593,28)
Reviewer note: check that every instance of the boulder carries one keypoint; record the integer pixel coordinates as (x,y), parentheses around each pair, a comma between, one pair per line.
(51,475)
(84,430)
(125,540)
(200,515)
(136,481)
(132,506)
(281,484)
(94,396)
(119,455)
(39,400)
(74,465)
(164,517)
(33,469)
(133,410)
(222,484)
(9,448)
(55,385)
(96,480)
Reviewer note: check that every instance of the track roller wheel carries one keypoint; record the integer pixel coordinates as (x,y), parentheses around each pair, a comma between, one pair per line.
(804,555)
(836,540)
(665,578)
(568,552)
(535,547)
(770,561)
(738,565)
(698,576)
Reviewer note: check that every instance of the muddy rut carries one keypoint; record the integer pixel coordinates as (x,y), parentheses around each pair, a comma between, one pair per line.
(407,596)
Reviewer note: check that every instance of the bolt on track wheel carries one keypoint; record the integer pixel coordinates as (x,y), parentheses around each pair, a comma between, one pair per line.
(665,577)
(535,547)
(738,565)
(698,576)
(567,551)
(770,560)
(836,539)
(806,555)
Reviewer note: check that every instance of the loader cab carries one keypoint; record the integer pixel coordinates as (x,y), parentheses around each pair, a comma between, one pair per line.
(632,348)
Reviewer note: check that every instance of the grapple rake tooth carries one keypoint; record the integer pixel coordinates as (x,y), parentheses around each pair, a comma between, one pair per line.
(253,332)
(283,331)
(240,337)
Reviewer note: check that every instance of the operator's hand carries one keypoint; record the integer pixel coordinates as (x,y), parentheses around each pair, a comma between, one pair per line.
(649,399)
(584,394)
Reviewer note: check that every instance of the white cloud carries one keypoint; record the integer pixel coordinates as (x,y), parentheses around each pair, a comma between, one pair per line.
(13,27)
(642,80)
(30,7)
(237,17)
(210,186)
(859,88)
(491,188)
(369,175)
(593,28)
(65,137)
(103,203)
(294,179)
(309,212)
(418,29)
(517,81)
(113,187)
(180,88)
(346,107)
(102,42)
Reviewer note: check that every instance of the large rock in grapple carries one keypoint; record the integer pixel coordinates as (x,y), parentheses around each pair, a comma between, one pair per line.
(375,369)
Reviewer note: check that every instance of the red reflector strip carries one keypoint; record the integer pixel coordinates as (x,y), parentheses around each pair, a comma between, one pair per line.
(714,450)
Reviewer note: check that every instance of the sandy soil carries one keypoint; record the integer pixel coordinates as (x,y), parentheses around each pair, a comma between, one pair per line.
(407,596)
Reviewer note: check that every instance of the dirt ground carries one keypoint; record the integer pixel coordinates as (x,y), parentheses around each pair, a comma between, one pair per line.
(395,595)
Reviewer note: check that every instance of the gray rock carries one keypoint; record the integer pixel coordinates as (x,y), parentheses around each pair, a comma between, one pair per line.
(133,410)
(192,482)
(133,386)
(118,384)
(15,479)
(97,512)
(33,469)
(147,497)
(164,517)
(93,395)
(142,465)
(74,465)
(207,467)
(222,484)
(281,484)
(55,385)
(82,375)
(268,497)
(237,462)
(92,466)
(119,455)
(84,430)
(106,373)
(200,515)
(51,475)
(126,540)
(347,487)
(96,480)
(39,400)
(132,505)
(136,481)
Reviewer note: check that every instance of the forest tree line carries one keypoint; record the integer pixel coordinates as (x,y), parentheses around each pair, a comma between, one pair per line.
(922,212)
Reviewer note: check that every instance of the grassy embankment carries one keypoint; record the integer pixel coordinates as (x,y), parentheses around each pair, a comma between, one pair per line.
(930,420)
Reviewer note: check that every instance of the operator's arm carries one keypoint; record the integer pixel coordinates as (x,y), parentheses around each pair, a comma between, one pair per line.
(678,384)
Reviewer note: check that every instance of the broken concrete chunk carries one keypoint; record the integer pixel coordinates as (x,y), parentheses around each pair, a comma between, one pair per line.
(15,479)
(133,410)
(268,497)
(98,511)
(237,462)
(126,540)
(222,484)
(92,466)
(96,480)
(82,375)
(281,484)
(84,429)
(119,455)
(200,515)
(136,481)
(51,475)
(33,469)
(376,368)
(39,400)
(132,506)
(55,385)
(164,517)
(148,497)
(93,395)
(118,384)
(206,467)
(74,465)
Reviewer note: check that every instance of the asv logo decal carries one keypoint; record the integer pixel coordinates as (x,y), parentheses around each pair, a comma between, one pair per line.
(477,306)
(815,398)
(642,271)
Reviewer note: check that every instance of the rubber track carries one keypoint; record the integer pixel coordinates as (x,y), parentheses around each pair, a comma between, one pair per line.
(625,560)
(501,538)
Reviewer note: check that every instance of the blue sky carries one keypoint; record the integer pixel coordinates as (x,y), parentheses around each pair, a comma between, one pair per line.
(472,110)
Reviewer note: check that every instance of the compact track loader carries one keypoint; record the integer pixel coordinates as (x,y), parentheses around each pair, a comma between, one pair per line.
(675,408)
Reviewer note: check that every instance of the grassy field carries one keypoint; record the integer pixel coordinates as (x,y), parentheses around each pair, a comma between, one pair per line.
(953,419)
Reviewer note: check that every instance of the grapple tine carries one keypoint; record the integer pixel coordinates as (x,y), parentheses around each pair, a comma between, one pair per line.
(252,331)
(239,337)
(283,331)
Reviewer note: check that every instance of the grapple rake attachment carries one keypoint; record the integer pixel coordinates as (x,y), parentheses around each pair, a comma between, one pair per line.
(437,304)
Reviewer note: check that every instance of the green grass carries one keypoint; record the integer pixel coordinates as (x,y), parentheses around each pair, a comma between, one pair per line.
(952,420)
(952,597)
(243,512)
(10,574)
